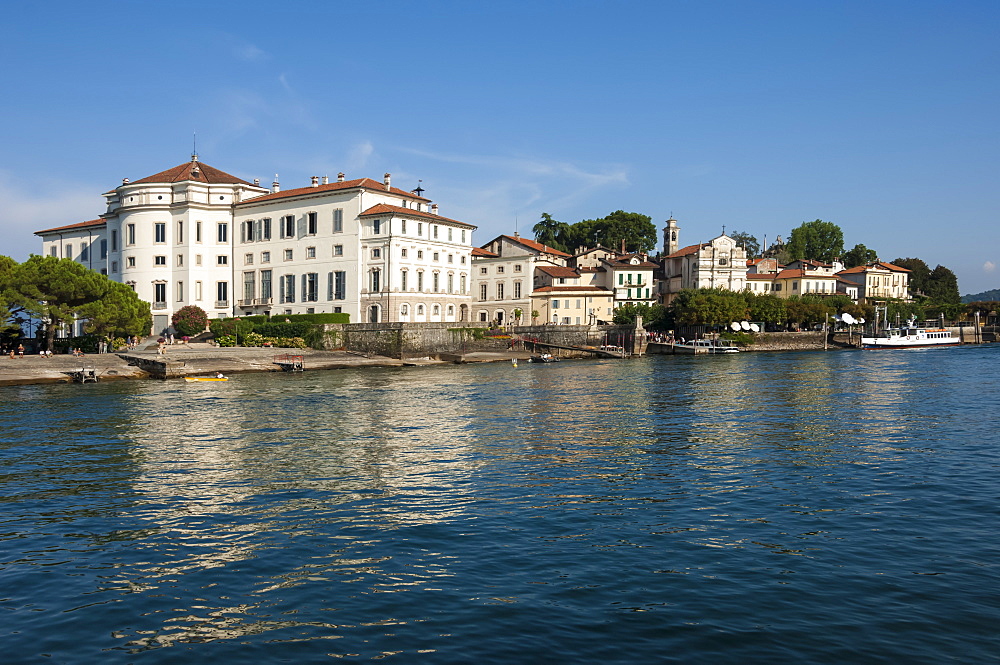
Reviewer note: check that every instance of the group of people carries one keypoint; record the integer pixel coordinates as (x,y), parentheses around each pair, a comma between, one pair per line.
(18,352)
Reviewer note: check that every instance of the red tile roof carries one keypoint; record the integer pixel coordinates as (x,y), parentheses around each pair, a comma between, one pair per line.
(537,246)
(386,209)
(574,289)
(73,227)
(626,264)
(482,253)
(360,183)
(195,171)
(873,266)
(685,251)
(792,273)
(559,271)
(761,276)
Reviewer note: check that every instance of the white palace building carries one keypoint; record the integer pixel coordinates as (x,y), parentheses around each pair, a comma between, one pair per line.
(195,235)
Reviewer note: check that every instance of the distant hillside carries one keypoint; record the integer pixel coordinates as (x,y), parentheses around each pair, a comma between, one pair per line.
(985,296)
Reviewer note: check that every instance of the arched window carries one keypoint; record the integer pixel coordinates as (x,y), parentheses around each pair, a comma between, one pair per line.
(420,310)
(404,310)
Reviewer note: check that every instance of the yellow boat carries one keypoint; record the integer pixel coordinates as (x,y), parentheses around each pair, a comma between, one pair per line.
(205,378)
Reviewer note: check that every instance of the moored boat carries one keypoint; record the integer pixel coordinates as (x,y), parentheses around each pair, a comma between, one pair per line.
(700,346)
(909,337)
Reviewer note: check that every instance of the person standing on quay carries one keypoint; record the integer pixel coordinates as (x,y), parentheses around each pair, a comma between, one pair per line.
(20,350)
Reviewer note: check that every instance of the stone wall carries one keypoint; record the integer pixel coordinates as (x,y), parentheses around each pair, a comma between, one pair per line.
(418,340)
(787,341)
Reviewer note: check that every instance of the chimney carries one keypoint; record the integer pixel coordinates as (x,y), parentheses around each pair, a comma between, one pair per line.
(326,180)
(623,245)
(340,177)
(388,181)
(434,208)
(314,181)
(515,235)
(125,181)
(256,182)
(275,187)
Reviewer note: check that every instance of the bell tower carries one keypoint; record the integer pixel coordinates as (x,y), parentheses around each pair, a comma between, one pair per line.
(671,236)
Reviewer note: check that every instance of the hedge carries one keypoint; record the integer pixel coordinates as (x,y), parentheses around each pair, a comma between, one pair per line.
(322,317)
(283,329)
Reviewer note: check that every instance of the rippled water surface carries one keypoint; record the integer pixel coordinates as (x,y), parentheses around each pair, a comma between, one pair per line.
(785,508)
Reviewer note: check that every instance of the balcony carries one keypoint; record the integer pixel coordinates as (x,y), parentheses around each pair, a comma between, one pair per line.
(220,304)
(246,302)
(263,301)
(159,305)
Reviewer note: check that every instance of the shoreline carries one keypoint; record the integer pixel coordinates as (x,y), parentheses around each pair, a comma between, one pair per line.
(203,360)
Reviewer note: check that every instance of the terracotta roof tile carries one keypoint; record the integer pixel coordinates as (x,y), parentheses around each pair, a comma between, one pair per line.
(573,289)
(73,227)
(685,251)
(482,253)
(360,183)
(204,173)
(386,209)
(537,246)
(559,271)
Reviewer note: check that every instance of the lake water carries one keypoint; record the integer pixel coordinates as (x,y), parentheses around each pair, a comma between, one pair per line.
(835,507)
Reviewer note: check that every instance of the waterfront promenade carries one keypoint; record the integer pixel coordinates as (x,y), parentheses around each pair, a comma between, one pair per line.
(201,359)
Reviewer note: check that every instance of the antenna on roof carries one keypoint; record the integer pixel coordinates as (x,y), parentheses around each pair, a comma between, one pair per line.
(419,190)
(194,146)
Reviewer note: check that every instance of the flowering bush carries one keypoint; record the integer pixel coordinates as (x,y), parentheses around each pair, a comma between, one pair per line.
(226,340)
(190,320)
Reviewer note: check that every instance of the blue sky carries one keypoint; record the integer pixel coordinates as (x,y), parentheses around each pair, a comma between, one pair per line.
(881,117)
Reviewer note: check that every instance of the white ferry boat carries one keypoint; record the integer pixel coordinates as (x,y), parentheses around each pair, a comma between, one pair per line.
(699,346)
(910,337)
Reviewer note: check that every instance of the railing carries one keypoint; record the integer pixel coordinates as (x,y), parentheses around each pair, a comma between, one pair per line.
(159,305)
(221,303)
(263,301)
(246,302)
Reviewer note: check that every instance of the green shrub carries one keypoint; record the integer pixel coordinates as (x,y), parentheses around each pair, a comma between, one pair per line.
(739,338)
(189,320)
(290,343)
(253,339)
(226,340)
(322,317)
(234,326)
(283,329)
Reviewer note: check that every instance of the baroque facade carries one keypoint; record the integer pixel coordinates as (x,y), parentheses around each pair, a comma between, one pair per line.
(194,234)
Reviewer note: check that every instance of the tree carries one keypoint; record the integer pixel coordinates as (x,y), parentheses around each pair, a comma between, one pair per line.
(920,274)
(816,240)
(636,230)
(943,287)
(549,232)
(118,311)
(748,242)
(8,309)
(859,256)
(652,315)
(764,307)
(582,234)
(711,307)
(190,320)
(804,312)
(54,290)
